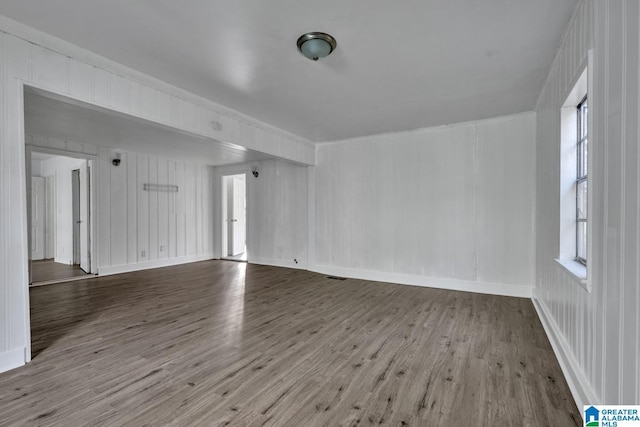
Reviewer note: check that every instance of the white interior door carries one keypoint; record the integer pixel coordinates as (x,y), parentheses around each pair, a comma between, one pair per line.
(238,217)
(37,217)
(75,215)
(85,258)
(50,217)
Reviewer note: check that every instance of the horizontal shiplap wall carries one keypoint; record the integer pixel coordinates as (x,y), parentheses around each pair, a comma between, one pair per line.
(596,332)
(449,206)
(138,228)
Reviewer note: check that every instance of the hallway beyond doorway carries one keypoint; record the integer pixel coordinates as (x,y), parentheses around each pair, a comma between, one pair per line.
(47,270)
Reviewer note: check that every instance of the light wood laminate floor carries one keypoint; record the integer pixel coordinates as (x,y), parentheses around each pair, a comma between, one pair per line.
(226,343)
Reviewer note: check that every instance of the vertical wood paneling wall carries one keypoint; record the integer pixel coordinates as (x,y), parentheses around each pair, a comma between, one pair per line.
(595,333)
(143,229)
(277,212)
(445,207)
(34,58)
(278,215)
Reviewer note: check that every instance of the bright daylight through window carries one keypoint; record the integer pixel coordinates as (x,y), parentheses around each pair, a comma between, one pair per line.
(581,183)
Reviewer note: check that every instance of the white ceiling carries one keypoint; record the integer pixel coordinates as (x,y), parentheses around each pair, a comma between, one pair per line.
(399,65)
(42,156)
(58,117)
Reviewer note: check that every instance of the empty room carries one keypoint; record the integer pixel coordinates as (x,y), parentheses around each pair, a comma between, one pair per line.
(282,213)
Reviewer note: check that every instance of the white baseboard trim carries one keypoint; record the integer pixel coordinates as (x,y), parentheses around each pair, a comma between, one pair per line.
(278,262)
(65,261)
(12,359)
(581,390)
(127,268)
(430,282)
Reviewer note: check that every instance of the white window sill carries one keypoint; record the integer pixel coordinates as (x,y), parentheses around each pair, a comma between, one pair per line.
(577,270)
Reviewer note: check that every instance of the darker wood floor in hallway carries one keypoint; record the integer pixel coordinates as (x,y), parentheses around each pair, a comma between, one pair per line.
(46,270)
(227,343)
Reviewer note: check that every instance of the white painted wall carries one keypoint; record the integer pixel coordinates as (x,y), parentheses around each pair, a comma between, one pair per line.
(278,217)
(277,212)
(60,168)
(595,334)
(169,228)
(28,56)
(149,228)
(35,167)
(448,207)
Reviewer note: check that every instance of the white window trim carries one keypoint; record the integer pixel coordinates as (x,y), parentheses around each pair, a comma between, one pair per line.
(567,228)
(577,270)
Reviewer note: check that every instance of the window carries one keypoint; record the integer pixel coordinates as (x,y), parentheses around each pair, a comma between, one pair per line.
(581,182)
(574,158)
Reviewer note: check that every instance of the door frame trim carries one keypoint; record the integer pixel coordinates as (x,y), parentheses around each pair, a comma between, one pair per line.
(245,170)
(92,170)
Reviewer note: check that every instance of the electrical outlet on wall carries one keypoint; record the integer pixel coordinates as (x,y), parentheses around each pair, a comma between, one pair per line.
(161,248)
(143,254)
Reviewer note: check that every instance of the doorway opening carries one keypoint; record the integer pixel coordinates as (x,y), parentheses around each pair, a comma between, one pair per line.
(60,218)
(234,215)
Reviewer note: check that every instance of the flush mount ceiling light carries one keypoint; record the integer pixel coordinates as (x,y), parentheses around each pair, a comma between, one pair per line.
(316,45)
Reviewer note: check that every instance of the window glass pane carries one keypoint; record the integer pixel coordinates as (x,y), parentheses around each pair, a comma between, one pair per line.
(580,154)
(580,172)
(582,240)
(581,182)
(581,200)
(582,139)
(585,150)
